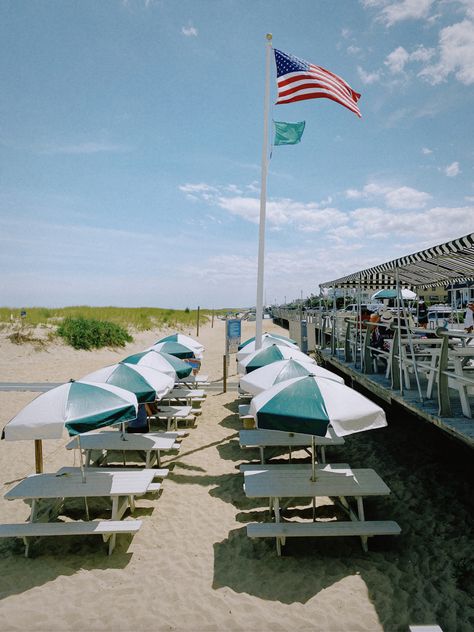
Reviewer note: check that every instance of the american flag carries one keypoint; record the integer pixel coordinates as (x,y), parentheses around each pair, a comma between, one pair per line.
(298,80)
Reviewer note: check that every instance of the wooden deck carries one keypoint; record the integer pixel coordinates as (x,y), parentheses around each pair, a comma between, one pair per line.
(458,426)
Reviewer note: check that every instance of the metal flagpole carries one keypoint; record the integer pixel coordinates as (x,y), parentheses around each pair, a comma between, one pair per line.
(263,201)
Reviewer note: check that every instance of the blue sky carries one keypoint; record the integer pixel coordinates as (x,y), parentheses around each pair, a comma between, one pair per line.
(131,138)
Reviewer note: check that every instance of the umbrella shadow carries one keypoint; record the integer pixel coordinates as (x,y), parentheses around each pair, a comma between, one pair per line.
(231,421)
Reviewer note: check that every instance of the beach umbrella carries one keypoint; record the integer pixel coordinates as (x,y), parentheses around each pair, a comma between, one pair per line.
(405,294)
(267,341)
(186,341)
(271,354)
(176,349)
(276,372)
(309,404)
(74,408)
(265,335)
(163,362)
(148,384)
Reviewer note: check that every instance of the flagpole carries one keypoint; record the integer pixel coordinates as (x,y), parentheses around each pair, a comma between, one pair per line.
(263,200)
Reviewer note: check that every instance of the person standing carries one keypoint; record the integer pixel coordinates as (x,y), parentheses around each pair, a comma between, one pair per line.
(422,314)
(469,318)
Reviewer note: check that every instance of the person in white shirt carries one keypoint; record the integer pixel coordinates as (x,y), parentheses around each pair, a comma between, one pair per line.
(469,318)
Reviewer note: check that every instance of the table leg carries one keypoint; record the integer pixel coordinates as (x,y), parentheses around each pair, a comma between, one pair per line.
(323,454)
(360,511)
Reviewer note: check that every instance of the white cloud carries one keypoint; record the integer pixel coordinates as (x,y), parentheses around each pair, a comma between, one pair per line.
(189,31)
(456,54)
(439,223)
(367,77)
(397,59)
(426,151)
(452,170)
(394,197)
(391,13)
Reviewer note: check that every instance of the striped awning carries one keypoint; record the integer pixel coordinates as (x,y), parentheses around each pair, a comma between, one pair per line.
(451,262)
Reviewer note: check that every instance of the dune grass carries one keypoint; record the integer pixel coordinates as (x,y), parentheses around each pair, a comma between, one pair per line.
(133,318)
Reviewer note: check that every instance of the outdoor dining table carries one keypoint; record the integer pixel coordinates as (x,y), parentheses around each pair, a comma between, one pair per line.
(112,440)
(185,394)
(171,414)
(261,438)
(121,487)
(339,481)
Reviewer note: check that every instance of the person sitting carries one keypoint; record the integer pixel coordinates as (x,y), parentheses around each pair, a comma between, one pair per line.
(140,423)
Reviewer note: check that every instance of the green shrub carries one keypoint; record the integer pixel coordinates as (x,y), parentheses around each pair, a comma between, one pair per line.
(87,333)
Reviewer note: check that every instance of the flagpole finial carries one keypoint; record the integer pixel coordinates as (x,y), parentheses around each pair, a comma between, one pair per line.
(269,37)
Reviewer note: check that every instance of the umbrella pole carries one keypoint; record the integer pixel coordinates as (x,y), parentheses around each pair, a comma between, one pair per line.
(39,456)
(81,464)
(313,460)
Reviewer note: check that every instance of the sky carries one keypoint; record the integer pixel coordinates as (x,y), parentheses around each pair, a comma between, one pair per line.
(131,136)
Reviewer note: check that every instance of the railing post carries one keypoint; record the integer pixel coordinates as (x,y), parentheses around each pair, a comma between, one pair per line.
(444,404)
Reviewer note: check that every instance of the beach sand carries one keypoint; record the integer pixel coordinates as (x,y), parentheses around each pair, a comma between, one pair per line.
(191,567)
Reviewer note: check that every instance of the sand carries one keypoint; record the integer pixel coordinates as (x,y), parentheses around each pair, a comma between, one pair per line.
(191,567)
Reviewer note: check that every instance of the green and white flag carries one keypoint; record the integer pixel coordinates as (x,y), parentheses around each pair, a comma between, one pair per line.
(288,133)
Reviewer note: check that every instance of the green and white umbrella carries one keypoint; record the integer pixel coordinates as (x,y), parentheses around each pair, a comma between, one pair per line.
(309,404)
(163,362)
(186,341)
(277,372)
(72,408)
(148,384)
(176,349)
(264,335)
(267,341)
(271,354)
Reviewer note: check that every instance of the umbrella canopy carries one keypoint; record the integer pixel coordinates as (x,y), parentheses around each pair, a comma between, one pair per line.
(276,372)
(163,362)
(267,341)
(271,354)
(309,404)
(186,341)
(176,349)
(264,335)
(405,293)
(147,383)
(76,407)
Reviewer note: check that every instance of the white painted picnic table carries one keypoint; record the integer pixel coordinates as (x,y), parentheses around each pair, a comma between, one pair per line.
(120,487)
(112,440)
(261,438)
(171,414)
(337,480)
(185,394)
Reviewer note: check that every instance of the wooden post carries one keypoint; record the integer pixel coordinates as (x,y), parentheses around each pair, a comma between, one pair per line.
(212,320)
(39,456)
(197,323)
(224,373)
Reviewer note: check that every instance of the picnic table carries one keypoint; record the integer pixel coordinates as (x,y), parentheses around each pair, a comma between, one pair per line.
(120,486)
(338,480)
(261,438)
(112,440)
(172,414)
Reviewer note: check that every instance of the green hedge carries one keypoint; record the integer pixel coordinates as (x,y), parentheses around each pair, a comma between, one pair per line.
(87,333)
